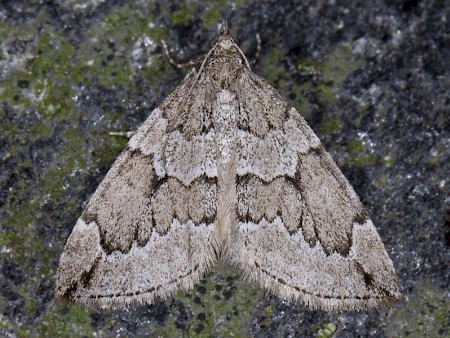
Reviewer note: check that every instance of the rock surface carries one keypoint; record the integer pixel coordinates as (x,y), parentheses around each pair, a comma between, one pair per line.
(372,78)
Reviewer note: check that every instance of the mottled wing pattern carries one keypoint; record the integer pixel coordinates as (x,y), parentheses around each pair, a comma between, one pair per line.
(148,229)
(225,168)
(302,230)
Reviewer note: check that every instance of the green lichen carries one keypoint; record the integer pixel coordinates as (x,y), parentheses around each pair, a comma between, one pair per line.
(382,181)
(425,315)
(220,305)
(330,124)
(277,76)
(327,94)
(326,331)
(32,307)
(438,153)
(108,65)
(269,310)
(355,147)
(66,321)
(213,13)
(382,111)
(308,67)
(266,318)
(358,156)
(296,94)
(3,323)
(272,72)
(365,160)
(339,64)
(43,85)
(184,13)
(388,161)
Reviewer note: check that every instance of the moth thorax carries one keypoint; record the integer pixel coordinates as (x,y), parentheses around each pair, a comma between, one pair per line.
(225,71)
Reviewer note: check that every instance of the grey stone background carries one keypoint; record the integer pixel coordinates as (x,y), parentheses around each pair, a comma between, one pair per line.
(371,78)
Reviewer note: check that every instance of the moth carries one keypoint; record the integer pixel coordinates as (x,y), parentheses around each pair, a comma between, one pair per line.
(225,169)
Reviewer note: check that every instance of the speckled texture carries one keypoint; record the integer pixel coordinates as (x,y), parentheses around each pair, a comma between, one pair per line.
(224,169)
(371,78)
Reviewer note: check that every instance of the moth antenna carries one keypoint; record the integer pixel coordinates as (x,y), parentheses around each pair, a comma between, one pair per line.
(175,63)
(127,134)
(257,51)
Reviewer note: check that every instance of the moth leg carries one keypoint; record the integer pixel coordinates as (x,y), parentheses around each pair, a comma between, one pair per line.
(175,63)
(127,134)
(258,50)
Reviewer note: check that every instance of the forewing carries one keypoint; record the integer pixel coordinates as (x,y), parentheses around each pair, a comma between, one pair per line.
(148,229)
(302,231)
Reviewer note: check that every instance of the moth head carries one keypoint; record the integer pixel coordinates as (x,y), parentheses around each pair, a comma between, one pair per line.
(225,41)
(227,46)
